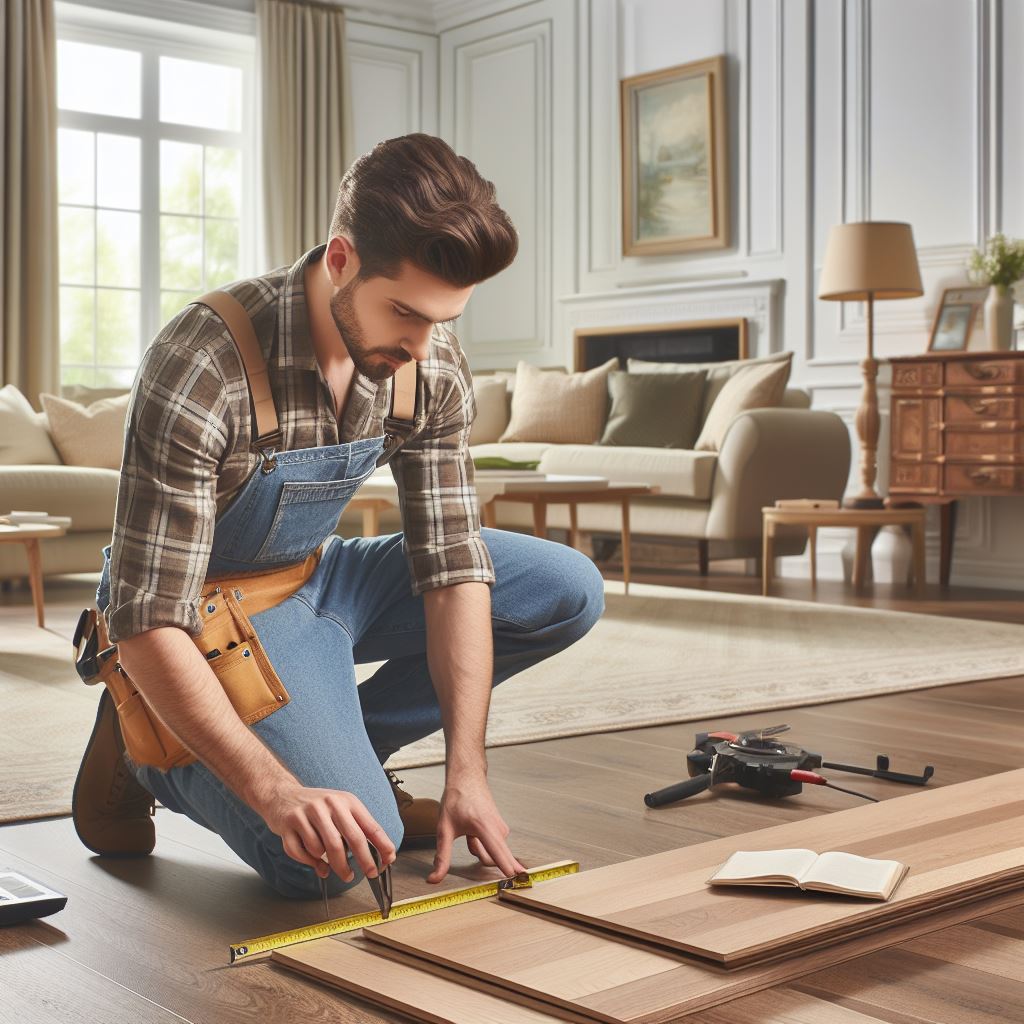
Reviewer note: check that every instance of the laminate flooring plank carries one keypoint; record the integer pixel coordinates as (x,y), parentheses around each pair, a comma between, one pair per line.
(614,981)
(418,994)
(955,839)
(980,949)
(785,1006)
(39,985)
(901,982)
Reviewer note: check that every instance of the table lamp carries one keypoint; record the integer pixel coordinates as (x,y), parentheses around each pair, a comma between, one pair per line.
(869,260)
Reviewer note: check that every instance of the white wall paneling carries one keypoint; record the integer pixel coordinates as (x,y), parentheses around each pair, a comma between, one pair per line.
(508,103)
(394,79)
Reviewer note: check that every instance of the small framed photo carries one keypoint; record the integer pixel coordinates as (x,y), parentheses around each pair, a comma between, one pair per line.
(675,183)
(955,318)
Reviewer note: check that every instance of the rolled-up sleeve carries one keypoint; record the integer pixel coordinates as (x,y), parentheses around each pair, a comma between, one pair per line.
(176,434)
(440,513)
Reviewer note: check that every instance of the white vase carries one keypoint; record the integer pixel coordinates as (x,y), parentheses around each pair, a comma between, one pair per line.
(999,318)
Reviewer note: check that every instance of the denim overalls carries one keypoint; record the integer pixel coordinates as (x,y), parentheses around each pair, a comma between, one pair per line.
(358,606)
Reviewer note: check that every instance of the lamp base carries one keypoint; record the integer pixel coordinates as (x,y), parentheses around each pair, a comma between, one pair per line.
(864,501)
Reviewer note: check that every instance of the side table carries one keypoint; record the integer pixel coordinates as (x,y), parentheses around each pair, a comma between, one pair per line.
(867,522)
(30,536)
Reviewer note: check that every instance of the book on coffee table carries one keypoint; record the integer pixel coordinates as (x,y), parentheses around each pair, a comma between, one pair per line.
(834,871)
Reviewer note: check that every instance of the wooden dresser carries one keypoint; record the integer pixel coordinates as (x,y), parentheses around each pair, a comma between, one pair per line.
(957,424)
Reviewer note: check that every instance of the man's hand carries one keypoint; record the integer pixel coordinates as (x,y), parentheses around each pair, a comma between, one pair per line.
(468,809)
(314,823)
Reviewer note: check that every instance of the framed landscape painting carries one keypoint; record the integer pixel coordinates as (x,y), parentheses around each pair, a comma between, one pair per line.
(675,189)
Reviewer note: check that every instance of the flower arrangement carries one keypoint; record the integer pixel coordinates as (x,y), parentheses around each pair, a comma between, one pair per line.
(1001,262)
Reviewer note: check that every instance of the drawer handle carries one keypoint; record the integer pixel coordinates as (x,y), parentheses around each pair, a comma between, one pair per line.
(980,476)
(980,406)
(982,372)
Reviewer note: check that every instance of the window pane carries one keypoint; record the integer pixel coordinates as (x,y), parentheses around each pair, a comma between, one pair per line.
(181,252)
(221,252)
(181,169)
(99,79)
(223,182)
(205,95)
(75,166)
(117,249)
(117,171)
(76,325)
(172,303)
(77,245)
(117,327)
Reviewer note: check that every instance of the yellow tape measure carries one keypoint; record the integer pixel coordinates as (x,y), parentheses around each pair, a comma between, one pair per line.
(403,908)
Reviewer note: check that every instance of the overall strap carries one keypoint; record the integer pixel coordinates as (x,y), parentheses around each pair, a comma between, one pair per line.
(232,312)
(403,392)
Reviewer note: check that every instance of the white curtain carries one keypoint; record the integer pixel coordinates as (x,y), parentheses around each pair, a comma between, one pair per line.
(29,318)
(307,122)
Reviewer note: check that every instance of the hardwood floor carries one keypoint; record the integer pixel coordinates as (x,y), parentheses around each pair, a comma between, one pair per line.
(147,940)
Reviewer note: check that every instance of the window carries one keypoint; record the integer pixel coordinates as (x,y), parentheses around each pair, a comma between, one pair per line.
(155,159)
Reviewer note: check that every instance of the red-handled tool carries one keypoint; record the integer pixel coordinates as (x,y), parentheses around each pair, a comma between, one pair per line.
(814,779)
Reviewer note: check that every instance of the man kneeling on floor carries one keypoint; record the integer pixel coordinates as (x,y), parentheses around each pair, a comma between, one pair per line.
(239,614)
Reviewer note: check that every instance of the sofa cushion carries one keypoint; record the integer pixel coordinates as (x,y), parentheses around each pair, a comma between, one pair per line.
(677,471)
(716,373)
(88,435)
(560,408)
(86,494)
(24,440)
(654,410)
(493,409)
(758,386)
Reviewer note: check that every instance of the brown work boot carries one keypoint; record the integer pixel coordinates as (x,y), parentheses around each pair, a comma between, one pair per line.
(113,814)
(419,814)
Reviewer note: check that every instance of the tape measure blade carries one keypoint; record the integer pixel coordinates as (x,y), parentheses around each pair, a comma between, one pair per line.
(411,907)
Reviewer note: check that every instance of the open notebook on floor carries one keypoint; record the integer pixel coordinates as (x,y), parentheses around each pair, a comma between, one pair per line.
(838,872)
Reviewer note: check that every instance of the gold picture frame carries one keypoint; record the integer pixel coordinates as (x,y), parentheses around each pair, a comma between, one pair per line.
(676,200)
(955,318)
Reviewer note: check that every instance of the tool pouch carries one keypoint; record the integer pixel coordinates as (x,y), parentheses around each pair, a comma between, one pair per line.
(229,643)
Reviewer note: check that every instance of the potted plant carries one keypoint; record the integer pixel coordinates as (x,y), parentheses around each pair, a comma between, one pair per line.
(1000,265)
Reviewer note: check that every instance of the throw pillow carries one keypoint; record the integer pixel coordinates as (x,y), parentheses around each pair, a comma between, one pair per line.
(23,437)
(654,410)
(559,408)
(88,436)
(752,387)
(492,409)
(717,373)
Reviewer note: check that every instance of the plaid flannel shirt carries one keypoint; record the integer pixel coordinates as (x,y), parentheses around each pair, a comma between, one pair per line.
(188,451)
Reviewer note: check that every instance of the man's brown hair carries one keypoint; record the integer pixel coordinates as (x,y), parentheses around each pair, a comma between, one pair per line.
(413,198)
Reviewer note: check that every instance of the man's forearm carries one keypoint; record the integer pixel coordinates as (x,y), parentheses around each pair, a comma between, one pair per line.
(178,683)
(460,653)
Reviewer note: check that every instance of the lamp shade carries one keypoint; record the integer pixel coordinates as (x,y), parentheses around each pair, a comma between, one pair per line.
(870,259)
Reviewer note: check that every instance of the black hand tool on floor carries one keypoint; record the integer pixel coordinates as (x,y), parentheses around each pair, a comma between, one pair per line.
(756,760)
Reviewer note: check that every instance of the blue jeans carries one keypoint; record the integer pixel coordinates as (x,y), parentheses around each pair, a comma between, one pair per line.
(359,607)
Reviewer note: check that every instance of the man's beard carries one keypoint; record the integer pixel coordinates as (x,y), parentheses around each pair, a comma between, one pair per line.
(363,355)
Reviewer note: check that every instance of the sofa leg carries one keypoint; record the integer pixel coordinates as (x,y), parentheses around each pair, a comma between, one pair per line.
(702,556)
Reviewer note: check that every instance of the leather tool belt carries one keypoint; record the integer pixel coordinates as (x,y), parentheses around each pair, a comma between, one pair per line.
(229,644)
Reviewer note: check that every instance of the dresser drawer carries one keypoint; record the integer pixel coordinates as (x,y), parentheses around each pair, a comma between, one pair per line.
(973,445)
(977,478)
(974,408)
(916,375)
(913,478)
(984,371)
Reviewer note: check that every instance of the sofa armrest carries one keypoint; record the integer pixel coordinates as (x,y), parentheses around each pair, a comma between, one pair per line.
(775,453)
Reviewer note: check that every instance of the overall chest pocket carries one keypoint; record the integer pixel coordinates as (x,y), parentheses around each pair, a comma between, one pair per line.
(307,514)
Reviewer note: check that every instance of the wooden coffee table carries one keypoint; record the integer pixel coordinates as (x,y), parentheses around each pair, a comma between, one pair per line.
(30,536)
(571,491)
(867,522)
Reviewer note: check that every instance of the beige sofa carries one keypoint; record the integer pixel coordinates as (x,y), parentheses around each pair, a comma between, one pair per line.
(712,498)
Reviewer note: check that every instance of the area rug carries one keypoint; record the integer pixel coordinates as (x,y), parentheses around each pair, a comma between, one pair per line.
(660,655)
